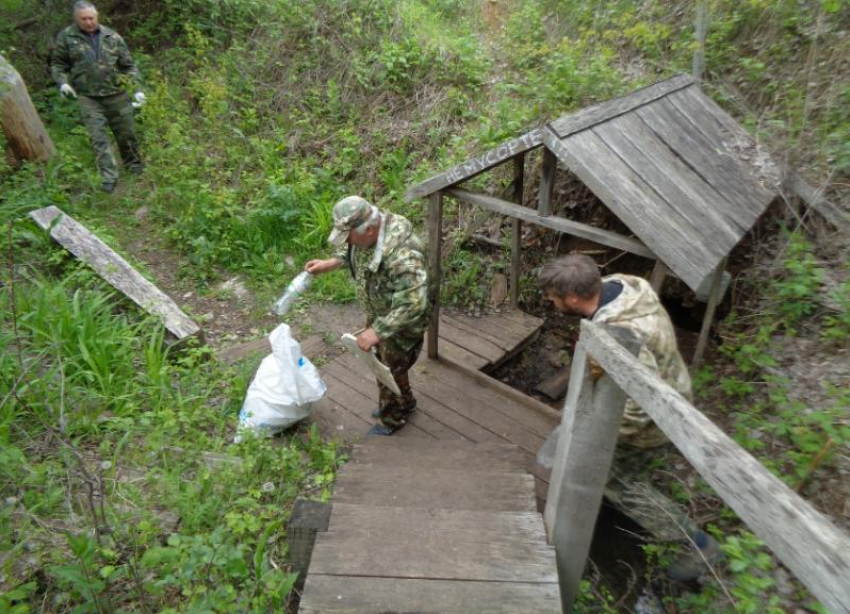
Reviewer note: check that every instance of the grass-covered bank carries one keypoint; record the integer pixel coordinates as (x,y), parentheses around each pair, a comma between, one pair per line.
(261,115)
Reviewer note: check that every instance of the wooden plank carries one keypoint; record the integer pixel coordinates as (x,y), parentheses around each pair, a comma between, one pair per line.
(586,118)
(471,341)
(580,471)
(627,196)
(86,246)
(450,423)
(479,332)
(505,458)
(456,490)
(345,595)
(717,167)
(473,393)
(814,199)
(439,544)
(335,421)
(503,389)
(727,135)
(547,183)
(360,395)
(435,271)
(514,330)
(806,541)
(471,168)
(362,406)
(449,349)
(696,204)
(585,231)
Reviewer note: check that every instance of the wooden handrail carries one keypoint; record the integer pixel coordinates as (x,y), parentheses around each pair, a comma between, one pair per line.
(806,541)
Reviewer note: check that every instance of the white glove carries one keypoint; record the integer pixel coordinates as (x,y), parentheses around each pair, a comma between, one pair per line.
(66,90)
(140,100)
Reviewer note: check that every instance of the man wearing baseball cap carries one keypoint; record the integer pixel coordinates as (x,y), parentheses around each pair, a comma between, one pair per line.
(387,261)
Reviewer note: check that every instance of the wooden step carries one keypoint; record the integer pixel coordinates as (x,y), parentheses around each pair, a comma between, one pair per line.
(487,458)
(424,487)
(374,541)
(341,595)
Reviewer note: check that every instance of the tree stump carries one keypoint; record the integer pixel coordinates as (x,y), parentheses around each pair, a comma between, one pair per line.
(26,136)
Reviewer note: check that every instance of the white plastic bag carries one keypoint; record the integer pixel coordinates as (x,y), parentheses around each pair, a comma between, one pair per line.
(283,390)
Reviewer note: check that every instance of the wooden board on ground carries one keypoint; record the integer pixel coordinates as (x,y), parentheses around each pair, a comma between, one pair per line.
(344,595)
(118,272)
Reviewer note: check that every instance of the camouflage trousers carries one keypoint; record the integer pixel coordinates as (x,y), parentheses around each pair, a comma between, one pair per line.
(393,410)
(113,112)
(630,491)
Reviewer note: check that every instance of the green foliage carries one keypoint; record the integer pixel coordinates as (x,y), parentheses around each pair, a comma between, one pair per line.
(796,292)
(747,581)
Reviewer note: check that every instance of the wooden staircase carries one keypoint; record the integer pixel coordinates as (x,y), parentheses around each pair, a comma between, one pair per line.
(433,527)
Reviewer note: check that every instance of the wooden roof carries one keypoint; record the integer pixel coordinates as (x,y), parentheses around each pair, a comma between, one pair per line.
(681,173)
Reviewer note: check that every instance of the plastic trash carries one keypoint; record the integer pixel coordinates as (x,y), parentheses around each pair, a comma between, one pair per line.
(283,390)
(295,288)
(546,454)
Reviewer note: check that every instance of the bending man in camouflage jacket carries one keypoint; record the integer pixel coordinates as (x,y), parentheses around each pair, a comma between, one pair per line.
(574,285)
(92,62)
(387,260)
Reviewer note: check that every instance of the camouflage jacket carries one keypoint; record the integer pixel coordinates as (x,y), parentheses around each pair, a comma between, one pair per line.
(639,310)
(392,288)
(91,73)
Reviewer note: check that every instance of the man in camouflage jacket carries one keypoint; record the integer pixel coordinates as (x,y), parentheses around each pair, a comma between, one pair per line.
(92,63)
(575,286)
(387,261)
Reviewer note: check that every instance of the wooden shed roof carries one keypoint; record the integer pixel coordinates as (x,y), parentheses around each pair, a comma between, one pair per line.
(681,173)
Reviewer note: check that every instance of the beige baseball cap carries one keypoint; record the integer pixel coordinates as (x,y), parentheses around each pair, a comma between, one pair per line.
(348,214)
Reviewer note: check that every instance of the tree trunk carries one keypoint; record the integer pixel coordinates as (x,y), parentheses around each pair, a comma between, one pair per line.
(26,137)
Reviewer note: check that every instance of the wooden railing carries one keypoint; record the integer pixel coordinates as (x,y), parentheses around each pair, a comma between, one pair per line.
(807,542)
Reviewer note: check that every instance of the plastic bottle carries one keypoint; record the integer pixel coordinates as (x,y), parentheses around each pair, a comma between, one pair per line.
(293,291)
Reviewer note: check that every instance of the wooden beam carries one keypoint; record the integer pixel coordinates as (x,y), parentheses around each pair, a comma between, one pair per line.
(814,199)
(576,122)
(659,273)
(805,540)
(713,299)
(589,429)
(597,235)
(547,183)
(476,166)
(435,246)
(118,272)
(516,229)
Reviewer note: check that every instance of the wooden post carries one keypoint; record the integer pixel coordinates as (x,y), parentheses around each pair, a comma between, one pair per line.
(713,299)
(435,246)
(806,541)
(589,427)
(25,134)
(700,31)
(516,229)
(659,273)
(547,183)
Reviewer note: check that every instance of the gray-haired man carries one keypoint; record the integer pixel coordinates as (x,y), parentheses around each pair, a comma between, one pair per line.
(92,63)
